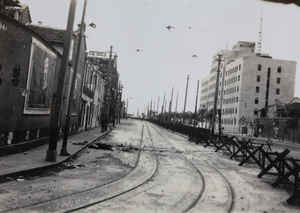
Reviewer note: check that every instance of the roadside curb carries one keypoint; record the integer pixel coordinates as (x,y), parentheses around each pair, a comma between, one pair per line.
(52,165)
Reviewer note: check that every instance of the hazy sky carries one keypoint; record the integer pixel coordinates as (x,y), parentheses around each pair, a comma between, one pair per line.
(201,28)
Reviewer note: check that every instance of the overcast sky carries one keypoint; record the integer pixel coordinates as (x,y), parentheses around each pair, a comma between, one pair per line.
(201,28)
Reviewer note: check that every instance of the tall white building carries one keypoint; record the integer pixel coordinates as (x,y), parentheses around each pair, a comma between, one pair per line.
(248,82)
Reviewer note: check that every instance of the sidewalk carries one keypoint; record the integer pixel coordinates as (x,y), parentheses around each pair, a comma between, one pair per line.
(36,158)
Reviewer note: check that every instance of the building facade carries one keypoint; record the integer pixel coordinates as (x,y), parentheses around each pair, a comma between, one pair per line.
(30,66)
(247,82)
(92,95)
(29,71)
(28,82)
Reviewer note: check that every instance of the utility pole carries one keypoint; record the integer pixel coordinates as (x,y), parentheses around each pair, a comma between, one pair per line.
(176,118)
(148,110)
(157,104)
(165,110)
(64,151)
(109,96)
(170,108)
(115,91)
(196,101)
(151,108)
(154,106)
(119,102)
(127,108)
(55,115)
(186,90)
(176,103)
(162,107)
(216,98)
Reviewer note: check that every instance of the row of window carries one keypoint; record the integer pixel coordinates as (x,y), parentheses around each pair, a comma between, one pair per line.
(230,121)
(235,99)
(212,94)
(213,78)
(203,98)
(277,90)
(229,110)
(233,70)
(204,90)
(232,80)
(231,90)
(230,100)
(213,86)
(278,80)
(259,68)
(235,79)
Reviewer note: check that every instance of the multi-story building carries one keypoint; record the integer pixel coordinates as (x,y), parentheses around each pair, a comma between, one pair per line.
(247,82)
(93,93)
(99,90)
(29,72)
(30,64)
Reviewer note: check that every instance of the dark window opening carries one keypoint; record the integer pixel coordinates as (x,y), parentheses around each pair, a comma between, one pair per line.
(279,69)
(257,89)
(278,80)
(258,78)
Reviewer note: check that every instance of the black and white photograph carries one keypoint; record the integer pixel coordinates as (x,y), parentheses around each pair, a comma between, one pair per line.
(149,106)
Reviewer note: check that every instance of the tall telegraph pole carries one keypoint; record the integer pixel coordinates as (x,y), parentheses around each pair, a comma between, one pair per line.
(186,91)
(196,101)
(170,109)
(63,151)
(216,97)
(162,107)
(158,104)
(55,114)
(109,92)
(176,103)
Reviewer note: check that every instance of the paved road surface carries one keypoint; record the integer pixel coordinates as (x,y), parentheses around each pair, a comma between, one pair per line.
(149,169)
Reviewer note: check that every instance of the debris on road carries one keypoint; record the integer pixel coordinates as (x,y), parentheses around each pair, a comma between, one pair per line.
(80,143)
(128,148)
(101,146)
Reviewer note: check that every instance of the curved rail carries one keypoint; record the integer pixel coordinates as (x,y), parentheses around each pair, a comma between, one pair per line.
(182,201)
(197,198)
(93,190)
(230,190)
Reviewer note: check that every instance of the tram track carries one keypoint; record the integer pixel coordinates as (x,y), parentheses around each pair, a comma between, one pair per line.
(100,193)
(199,193)
(203,201)
(173,189)
(157,154)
